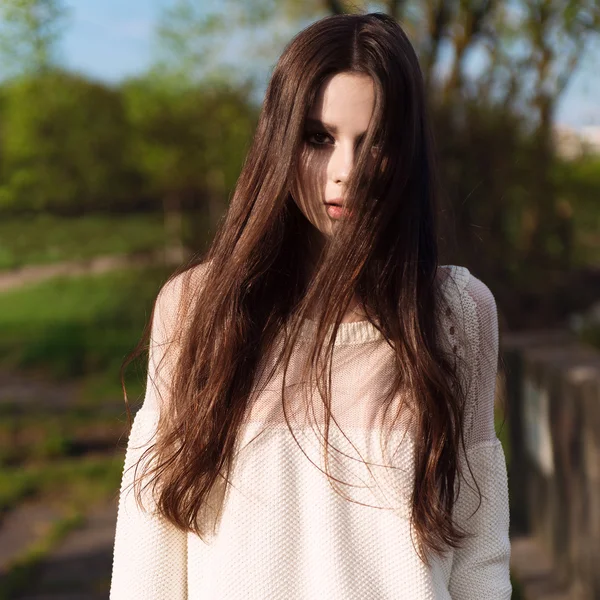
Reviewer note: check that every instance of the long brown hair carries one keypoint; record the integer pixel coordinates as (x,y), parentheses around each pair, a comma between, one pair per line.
(255,284)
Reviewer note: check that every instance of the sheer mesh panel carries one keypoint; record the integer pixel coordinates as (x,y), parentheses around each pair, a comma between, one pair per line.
(482,330)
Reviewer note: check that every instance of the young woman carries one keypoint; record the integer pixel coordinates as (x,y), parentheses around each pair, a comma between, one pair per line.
(319,412)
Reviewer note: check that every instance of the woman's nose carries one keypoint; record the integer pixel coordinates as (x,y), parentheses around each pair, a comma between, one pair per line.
(341,164)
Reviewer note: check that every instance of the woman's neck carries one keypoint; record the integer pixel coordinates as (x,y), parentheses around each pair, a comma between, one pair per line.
(315,244)
(355,311)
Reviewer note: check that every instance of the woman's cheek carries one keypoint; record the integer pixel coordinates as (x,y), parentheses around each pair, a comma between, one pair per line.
(307,192)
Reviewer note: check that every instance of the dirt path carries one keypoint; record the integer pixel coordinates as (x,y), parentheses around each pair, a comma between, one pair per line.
(79,567)
(36,273)
(27,392)
(22,527)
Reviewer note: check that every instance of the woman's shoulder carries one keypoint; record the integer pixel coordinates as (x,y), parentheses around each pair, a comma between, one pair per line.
(453,277)
(463,283)
(453,280)
(174,299)
(470,304)
(179,283)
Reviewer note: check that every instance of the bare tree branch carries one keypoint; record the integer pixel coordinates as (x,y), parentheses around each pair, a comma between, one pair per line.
(335,7)
(438,17)
(396,9)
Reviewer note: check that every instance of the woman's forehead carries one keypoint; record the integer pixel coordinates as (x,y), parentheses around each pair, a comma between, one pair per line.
(344,101)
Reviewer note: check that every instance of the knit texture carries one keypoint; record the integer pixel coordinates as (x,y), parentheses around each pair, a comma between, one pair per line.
(285,532)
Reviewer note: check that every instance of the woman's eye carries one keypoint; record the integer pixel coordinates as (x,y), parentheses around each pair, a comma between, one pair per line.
(320,138)
(316,138)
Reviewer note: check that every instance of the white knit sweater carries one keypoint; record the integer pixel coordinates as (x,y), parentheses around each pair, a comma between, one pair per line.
(285,533)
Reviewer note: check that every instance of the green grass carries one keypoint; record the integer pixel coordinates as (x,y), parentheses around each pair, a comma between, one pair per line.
(76,327)
(37,435)
(77,479)
(44,239)
(95,388)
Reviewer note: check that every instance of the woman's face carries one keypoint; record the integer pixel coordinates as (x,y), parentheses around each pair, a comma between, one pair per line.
(334,130)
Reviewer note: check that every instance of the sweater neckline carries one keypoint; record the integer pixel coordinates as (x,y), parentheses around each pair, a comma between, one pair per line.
(351,332)
(361,332)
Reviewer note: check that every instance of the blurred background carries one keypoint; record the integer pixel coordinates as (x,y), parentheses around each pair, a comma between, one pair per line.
(123,127)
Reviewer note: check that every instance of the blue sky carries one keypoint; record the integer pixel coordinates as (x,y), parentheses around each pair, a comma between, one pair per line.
(111,39)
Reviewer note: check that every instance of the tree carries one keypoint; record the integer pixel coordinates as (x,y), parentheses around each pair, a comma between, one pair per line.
(188,143)
(558,32)
(63,143)
(30,31)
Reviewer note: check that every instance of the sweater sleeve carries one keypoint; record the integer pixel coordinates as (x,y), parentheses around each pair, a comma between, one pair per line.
(480,568)
(150,554)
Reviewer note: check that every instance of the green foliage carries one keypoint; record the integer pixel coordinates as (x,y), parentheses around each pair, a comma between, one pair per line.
(64,144)
(180,136)
(55,443)
(578,185)
(29,34)
(15,486)
(75,327)
(591,335)
(486,193)
(497,213)
(46,433)
(168,136)
(71,145)
(84,479)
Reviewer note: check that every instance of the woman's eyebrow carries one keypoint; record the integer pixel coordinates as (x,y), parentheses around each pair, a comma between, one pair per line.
(318,123)
(312,122)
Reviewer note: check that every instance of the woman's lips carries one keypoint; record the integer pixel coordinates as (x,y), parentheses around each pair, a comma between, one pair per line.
(336,211)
